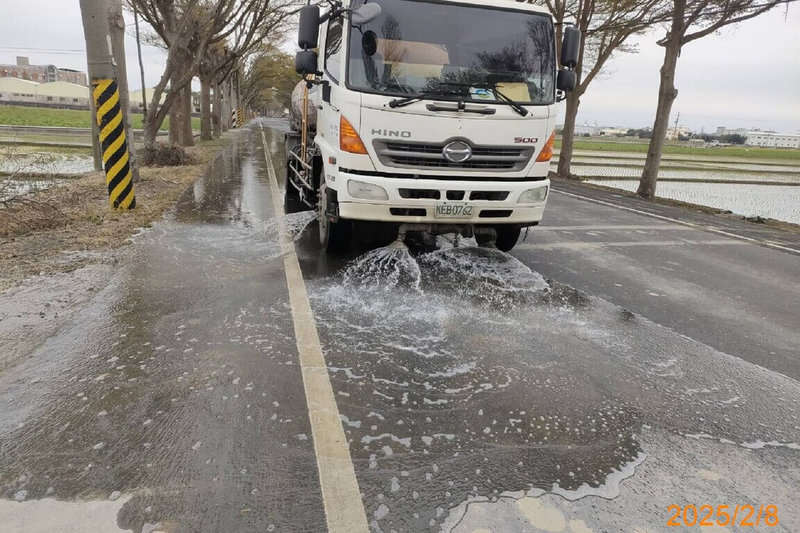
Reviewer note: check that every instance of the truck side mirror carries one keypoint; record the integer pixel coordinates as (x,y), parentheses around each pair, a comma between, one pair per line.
(305,62)
(364,14)
(570,47)
(308,30)
(566,80)
(369,43)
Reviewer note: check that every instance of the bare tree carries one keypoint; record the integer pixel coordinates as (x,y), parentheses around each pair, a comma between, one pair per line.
(269,79)
(225,58)
(187,28)
(605,27)
(689,20)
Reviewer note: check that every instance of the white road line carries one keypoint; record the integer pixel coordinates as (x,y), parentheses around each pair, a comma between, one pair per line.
(583,245)
(670,227)
(344,509)
(682,222)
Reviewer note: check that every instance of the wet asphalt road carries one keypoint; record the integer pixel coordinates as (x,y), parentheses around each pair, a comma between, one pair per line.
(613,365)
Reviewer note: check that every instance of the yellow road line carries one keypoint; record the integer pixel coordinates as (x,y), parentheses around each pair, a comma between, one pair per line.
(344,509)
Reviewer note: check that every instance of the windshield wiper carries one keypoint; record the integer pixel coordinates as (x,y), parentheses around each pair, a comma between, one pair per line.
(497,93)
(515,106)
(425,95)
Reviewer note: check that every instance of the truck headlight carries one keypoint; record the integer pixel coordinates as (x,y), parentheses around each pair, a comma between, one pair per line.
(534,196)
(366,191)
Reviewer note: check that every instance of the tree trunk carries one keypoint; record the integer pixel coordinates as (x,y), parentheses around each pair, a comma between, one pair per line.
(116,26)
(151,126)
(176,111)
(666,96)
(205,109)
(215,112)
(188,107)
(225,110)
(568,134)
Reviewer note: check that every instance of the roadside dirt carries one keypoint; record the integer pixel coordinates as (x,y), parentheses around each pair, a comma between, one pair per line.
(68,227)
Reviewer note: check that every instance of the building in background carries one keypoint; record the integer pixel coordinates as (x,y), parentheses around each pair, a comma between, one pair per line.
(60,94)
(42,73)
(17,91)
(135,99)
(756,137)
(586,129)
(773,139)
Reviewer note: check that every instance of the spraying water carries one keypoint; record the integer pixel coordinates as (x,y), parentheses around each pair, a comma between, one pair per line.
(458,267)
(293,224)
(481,274)
(386,267)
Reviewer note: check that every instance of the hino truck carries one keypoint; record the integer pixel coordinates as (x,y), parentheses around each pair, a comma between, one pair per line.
(433,116)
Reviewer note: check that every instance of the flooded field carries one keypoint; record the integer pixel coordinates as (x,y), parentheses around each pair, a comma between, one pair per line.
(26,170)
(770,189)
(768,201)
(19,161)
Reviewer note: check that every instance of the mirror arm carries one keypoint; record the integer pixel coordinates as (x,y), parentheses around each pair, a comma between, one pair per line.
(333,13)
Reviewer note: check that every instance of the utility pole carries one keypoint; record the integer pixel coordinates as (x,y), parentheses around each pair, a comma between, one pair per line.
(107,109)
(675,131)
(141,63)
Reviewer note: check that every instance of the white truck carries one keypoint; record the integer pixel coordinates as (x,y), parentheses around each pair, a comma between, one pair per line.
(434,116)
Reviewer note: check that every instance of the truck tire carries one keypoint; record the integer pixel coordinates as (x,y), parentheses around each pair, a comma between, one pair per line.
(507,237)
(334,237)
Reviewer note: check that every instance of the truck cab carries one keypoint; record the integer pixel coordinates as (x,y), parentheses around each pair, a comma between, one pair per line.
(431,116)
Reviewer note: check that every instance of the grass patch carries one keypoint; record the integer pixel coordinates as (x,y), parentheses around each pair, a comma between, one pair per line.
(723,152)
(62,118)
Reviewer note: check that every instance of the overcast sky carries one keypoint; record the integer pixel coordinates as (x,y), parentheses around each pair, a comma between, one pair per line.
(748,76)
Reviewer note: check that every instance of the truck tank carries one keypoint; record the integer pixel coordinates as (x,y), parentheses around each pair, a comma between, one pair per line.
(296,113)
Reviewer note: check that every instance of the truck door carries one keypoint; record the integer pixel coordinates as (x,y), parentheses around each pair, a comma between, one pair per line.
(328,116)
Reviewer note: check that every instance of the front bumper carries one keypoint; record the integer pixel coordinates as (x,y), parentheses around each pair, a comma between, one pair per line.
(402,204)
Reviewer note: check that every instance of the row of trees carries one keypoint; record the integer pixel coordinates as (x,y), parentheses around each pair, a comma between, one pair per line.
(214,41)
(608,25)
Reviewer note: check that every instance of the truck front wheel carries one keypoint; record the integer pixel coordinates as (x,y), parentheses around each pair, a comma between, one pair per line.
(333,236)
(507,237)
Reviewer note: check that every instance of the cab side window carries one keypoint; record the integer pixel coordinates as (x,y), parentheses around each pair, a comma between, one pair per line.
(333,48)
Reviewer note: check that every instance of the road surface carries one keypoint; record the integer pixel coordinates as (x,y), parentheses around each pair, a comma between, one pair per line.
(226,376)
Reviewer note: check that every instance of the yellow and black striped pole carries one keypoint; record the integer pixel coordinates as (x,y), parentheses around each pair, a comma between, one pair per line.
(239,117)
(116,158)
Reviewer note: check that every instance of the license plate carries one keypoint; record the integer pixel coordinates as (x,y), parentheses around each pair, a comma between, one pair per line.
(454,210)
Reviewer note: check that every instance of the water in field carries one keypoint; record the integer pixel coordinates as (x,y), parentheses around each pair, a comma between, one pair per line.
(747,187)
(769,201)
(20,162)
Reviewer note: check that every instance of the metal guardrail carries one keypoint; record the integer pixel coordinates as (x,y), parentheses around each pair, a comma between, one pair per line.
(57,130)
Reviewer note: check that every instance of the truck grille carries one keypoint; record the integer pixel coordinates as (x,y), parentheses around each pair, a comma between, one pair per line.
(429,155)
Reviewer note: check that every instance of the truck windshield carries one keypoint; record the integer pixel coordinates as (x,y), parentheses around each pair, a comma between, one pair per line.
(418,47)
